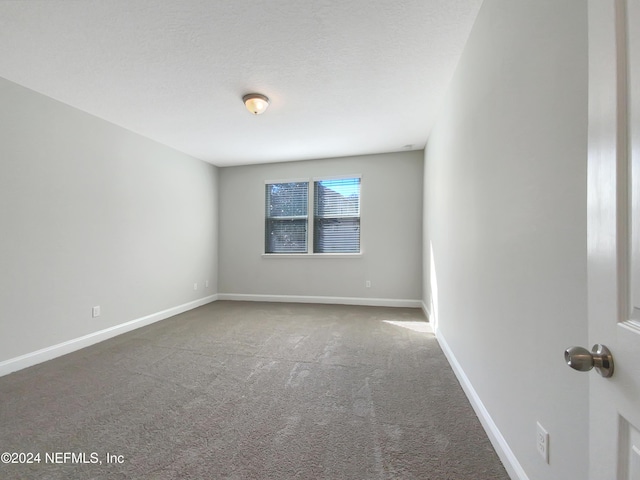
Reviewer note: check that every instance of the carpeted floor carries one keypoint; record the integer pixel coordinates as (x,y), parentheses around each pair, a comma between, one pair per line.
(244,391)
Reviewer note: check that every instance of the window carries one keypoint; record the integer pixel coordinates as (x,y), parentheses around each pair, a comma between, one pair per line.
(335,222)
(286,217)
(336,216)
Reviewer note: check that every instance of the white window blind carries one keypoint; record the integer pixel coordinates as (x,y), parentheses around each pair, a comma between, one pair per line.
(286,217)
(336,216)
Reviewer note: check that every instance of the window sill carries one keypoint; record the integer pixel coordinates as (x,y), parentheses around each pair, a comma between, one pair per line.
(312,255)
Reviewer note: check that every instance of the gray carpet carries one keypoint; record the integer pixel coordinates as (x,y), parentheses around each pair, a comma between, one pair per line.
(236,390)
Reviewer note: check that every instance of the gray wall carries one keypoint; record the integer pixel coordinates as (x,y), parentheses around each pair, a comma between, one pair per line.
(505,196)
(391,232)
(92,214)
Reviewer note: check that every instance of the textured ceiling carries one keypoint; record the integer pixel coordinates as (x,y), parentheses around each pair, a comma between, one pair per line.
(345,77)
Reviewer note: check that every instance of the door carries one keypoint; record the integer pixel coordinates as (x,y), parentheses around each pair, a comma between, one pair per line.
(614,235)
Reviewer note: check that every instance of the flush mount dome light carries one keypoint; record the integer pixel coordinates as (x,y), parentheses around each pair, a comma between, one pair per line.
(255,103)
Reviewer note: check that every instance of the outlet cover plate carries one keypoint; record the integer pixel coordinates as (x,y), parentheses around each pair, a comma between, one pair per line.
(542,442)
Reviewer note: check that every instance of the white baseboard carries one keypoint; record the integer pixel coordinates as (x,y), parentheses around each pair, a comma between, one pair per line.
(49,353)
(508,458)
(426,311)
(372,302)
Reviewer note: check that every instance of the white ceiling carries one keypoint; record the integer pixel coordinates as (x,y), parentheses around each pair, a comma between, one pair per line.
(345,77)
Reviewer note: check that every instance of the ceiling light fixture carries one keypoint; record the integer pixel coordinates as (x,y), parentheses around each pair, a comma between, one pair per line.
(255,103)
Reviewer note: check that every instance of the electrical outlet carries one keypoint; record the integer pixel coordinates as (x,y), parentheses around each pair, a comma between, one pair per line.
(195,286)
(206,283)
(367,284)
(95,311)
(542,442)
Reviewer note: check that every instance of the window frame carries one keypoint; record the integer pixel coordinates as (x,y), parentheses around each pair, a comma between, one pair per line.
(265,218)
(310,218)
